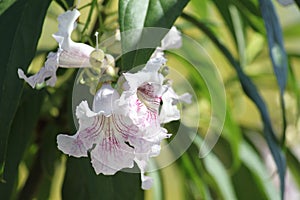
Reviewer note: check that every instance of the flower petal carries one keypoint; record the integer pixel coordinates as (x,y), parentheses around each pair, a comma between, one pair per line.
(72,54)
(147,181)
(46,72)
(169,111)
(149,74)
(105,100)
(112,155)
(69,54)
(186,98)
(66,24)
(71,145)
(172,40)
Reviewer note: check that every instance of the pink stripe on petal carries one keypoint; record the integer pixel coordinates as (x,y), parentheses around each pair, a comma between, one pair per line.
(111,154)
(71,145)
(92,134)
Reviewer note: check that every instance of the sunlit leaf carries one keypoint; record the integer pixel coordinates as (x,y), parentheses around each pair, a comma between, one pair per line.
(23,24)
(252,161)
(252,92)
(5,4)
(137,14)
(223,8)
(239,32)
(294,166)
(233,135)
(219,173)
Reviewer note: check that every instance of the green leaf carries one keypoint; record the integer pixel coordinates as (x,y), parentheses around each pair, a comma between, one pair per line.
(66,4)
(239,32)
(158,189)
(21,133)
(218,171)
(220,175)
(294,166)
(252,92)
(250,14)
(194,58)
(81,182)
(5,4)
(252,161)
(246,186)
(223,8)
(276,51)
(23,25)
(233,135)
(134,15)
(200,8)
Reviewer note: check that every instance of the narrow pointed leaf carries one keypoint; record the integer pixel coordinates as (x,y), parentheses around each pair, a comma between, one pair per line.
(252,92)
(276,51)
(21,133)
(275,41)
(23,24)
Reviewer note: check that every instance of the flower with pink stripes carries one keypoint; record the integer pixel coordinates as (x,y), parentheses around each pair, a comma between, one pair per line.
(104,132)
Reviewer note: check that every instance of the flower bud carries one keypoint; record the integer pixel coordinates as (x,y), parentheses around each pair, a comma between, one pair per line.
(97,58)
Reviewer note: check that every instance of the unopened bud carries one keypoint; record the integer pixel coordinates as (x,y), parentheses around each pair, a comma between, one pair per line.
(96,58)
(110,60)
(165,71)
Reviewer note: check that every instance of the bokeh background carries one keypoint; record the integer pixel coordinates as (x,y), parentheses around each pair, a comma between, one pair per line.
(240,165)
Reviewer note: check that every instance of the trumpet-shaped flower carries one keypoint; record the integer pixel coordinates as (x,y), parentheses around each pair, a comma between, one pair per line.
(69,54)
(143,97)
(103,131)
(124,125)
(151,103)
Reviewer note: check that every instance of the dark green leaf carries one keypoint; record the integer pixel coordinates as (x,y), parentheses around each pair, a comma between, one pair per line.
(21,133)
(81,182)
(218,172)
(134,15)
(5,4)
(294,166)
(259,172)
(250,14)
(23,24)
(223,8)
(276,50)
(248,5)
(252,92)
(66,4)
(245,184)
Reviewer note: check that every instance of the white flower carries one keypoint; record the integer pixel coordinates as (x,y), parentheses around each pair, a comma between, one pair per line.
(172,40)
(143,97)
(169,111)
(103,131)
(69,55)
(114,139)
(151,102)
(147,181)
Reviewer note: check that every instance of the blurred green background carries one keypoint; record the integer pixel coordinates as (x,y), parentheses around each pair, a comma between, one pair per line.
(233,33)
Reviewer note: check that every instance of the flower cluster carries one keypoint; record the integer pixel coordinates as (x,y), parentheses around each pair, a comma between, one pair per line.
(124,125)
